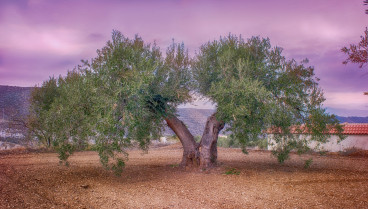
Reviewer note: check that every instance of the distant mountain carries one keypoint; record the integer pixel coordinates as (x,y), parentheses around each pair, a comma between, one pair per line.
(194,119)
(13,100)
(352,119)
(347,112)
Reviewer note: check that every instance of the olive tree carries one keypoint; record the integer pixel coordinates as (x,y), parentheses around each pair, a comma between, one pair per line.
(144,89)
(41,100)
(123,95)
(130,91)
(255,90)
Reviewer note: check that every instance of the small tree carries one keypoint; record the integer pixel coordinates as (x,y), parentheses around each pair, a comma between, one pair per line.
(41,101)
(358,53)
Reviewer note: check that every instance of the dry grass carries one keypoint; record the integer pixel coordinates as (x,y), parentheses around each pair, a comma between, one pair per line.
(36,180)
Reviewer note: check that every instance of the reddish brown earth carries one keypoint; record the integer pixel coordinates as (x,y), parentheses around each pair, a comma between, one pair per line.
(36,180)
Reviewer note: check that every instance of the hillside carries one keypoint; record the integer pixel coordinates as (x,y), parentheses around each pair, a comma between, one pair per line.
(13,100)
(352,119)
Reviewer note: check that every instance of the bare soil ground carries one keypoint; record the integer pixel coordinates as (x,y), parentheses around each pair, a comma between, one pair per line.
(153,180)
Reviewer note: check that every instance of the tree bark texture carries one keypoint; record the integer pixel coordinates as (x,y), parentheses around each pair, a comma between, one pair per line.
(209,142)
(191,154)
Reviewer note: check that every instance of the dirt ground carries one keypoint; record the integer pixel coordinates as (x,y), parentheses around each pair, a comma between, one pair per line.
(153,180)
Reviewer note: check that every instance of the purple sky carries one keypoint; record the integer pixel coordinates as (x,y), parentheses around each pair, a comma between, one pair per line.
(41,38)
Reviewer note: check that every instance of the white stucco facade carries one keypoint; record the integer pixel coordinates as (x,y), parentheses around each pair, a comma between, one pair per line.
(351,141)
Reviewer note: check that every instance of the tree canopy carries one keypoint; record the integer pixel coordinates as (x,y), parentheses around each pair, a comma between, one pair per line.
(127,92)
(256,89)
(118,97)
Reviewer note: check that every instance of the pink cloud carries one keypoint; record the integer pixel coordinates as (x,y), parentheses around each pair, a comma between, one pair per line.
(347,100)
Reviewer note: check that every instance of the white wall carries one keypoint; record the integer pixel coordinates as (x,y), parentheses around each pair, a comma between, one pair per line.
(356,141)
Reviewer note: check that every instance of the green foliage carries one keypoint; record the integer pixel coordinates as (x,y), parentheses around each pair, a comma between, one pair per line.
(227,142)
(118,167)
(118,97)
(285,144)
(282,154)
(231,142)
(124,93)
(198,139)
(261,144)
(174,165)
(308,163)
(173,138)
(232,171)
(38,121)
(256,90)
(223,142)
(172,81)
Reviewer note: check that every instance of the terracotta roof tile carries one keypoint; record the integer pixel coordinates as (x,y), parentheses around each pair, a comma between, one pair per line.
(355,129)
(349,129)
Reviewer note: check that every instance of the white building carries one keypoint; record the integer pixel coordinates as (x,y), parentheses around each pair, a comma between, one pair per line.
(356,137)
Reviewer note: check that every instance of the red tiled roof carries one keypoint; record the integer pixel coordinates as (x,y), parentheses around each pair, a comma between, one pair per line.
(355,129)
(348,129)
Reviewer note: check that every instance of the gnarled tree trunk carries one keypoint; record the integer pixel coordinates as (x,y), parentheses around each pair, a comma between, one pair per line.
(191,150)
(209,142)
